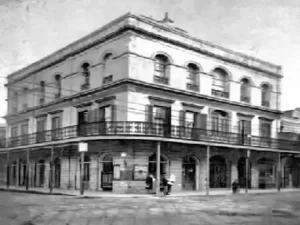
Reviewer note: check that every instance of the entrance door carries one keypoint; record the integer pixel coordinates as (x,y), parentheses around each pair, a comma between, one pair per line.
(287,177)
(57,173)
(242,173)
(189,173)
(107,173)
(218,170)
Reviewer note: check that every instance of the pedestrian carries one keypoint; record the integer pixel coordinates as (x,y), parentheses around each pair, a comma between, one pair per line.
(170,183)
(164,183)
(234,186)
(149,182)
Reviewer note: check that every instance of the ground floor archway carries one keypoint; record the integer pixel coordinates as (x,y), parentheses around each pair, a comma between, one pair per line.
(218,172)
(266,173)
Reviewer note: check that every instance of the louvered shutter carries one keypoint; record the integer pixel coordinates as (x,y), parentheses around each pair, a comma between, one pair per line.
(149,118)
(182,123)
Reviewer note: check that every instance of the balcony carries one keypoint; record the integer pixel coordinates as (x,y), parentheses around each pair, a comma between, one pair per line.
(161,80)
(192,87)
(218,93)
(265,103)
(125,128)
(245,99)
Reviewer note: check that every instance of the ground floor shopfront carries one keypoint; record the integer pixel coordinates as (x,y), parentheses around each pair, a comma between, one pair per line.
(122,165)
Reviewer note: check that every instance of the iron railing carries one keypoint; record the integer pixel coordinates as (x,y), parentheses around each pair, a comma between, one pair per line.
(218,93)
(127,128)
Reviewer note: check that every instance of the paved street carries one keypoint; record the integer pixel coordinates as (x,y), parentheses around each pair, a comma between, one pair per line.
(21,208)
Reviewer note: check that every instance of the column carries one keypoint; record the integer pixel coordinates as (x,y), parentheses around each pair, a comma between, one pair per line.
(158,169)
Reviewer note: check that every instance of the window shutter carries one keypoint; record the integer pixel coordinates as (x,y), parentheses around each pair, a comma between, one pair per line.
(203,121)
(96,115)
(101,115)
(182,118)
(113,113)
(149,113)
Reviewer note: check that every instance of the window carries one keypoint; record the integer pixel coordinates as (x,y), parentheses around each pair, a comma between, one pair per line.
(265,130)
(246,125)
(190,119)
(24,129)
(25,98)
(56,125)
(108,68)
(86,74)
(15,102)
(14,131)
(105,113)
(161,66)
(160,114)
(152,165)
(58,86)
(220,121)
(265,95)
(193,77)
(42,92)
(245,90)
(107,60)
(220,83)
(40,128)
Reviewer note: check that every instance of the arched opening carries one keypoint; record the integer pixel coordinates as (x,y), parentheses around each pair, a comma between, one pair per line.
(193,77)
(39,173)
(265,95)
(218,172)
(245,90)
(220,121)
(107,172)
(58,85)
(220,83)
(22,172)
(86,171)
(161,68)
(266,174)
(152,165)
(14,167)
(241,168)
(57,172)
(189,164)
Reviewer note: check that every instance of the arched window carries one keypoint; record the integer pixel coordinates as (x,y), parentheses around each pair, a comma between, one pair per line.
(220,121)
(265,95)
(152,165)
(86,74)
(107,59)
(245,90)
(42,92)
(57,86)
(220,83)
(193,77)
(161,69)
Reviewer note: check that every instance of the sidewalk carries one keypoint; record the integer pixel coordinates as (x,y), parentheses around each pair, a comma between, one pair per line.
(102,194)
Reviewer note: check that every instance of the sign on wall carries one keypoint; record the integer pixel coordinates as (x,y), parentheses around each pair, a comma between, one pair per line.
(82,147)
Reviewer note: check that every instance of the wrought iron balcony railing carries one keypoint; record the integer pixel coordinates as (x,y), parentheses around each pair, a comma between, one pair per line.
(218,93)
(148,129)
(245,99)
(162,80)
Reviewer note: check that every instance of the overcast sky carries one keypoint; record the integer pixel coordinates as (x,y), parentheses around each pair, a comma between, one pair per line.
(267,29)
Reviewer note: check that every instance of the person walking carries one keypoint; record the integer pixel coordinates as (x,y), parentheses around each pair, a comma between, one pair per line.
(170,183)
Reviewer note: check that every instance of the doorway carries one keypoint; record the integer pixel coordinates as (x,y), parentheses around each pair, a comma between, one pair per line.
(218,172)
(189,173)
(82,123)
(107,172)
(57,170)
(241,167)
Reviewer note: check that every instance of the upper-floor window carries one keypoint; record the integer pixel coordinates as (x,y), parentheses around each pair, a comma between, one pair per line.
(86,74)
(106,113)
(15,102)
(220,83)
(25,98)
(107,68)
(161,69)
(14,131)
(245,90)
(265,95)
(42,92)
(193,77)
(220,121)
(57,85)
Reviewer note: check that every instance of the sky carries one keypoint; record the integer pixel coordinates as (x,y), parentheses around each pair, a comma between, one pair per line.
(266,29)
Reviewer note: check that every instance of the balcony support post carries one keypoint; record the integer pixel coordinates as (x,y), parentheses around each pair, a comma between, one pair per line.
(279,172)
(207,169)
(7,170)
(158,170)
(27,168)
(51,169)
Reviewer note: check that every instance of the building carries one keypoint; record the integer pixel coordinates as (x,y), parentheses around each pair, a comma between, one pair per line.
(141,91)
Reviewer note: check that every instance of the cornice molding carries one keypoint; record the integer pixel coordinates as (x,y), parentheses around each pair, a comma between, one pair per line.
(105,99)
(191,105)
(245,115)
(160,99)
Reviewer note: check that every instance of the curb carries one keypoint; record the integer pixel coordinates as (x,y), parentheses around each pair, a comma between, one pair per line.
(34,192)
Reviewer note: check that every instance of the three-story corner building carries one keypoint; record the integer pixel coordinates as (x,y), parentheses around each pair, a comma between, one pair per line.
(138,91)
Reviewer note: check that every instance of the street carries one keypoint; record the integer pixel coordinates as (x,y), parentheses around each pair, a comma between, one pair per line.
(21,208)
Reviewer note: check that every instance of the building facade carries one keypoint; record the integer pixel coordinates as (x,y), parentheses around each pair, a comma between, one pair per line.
(141,91)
